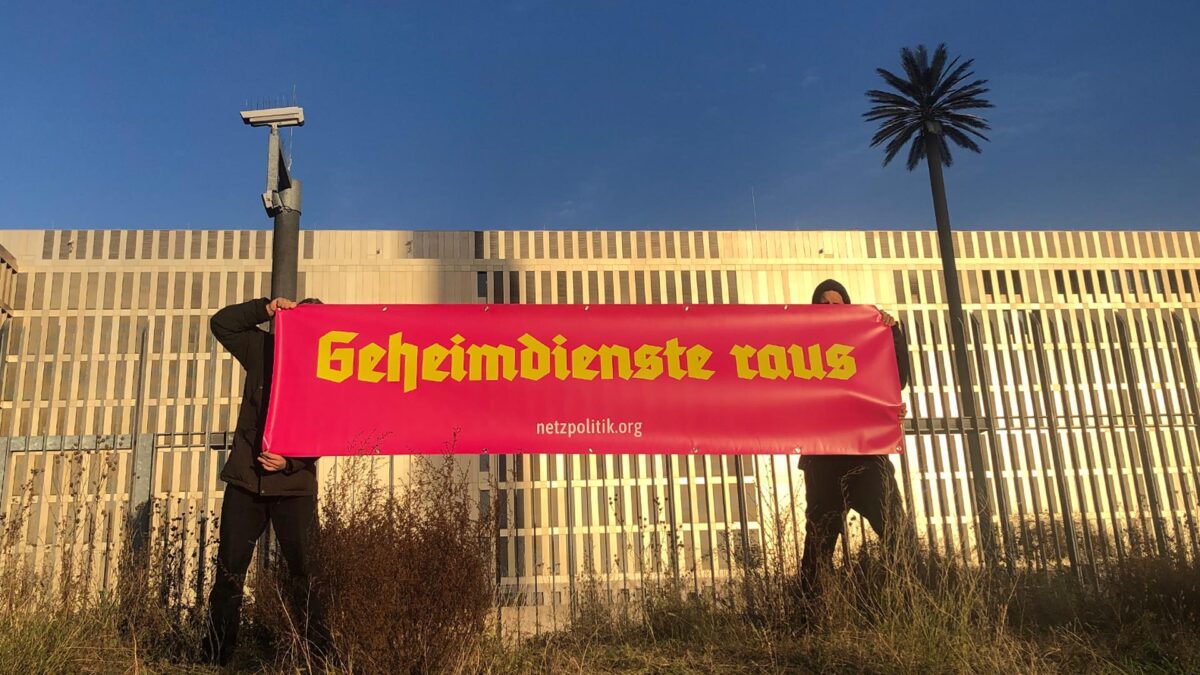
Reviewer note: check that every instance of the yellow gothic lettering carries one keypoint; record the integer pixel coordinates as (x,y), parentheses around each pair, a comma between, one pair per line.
(673,352)
(741,357)
(772,363)
(648,362)
(614,361)
(335,365)
(842,365)
(431,362)
(368,358)
(807,368)
(561,371)
(697,358)
(535,358)
(581,363)
(397,349)
(490,362)
(458,369)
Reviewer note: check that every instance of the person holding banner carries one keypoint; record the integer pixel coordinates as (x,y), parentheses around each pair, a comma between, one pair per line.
(260,488)
(833,484)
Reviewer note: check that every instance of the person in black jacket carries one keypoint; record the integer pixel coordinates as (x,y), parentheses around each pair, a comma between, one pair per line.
(260,488)
(834,484)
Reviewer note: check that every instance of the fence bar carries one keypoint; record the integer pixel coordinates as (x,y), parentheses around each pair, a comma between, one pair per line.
(1122,456)
(1068,401)
(710,533)
(1024,454)
(910,512)
(743,521)
(726,524)
(1002,336)
(1056,454)
(798,517)
(963,504)
(1083,387)
(1046,431)
(4,454)
(668,464)
(1182,356)
(566,530)
(1166,438)
(1155,450)
(1168,359)
(984,379)
(924,483)
(1135,399)
(941,477)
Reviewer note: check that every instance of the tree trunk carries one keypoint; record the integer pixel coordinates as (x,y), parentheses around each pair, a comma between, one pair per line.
(962,367)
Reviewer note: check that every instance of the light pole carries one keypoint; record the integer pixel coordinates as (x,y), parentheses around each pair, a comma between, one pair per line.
(281,198)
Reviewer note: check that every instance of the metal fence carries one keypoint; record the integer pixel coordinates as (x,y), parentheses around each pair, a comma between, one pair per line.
(1088,422)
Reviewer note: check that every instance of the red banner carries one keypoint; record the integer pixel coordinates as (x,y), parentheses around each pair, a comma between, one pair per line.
(660,379)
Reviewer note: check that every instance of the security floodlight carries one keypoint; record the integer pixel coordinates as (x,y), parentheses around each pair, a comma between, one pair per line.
(281,198)
(279,180)
(292,116)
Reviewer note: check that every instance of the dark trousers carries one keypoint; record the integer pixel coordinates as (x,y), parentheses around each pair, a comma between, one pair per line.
(244,517)
(834,484)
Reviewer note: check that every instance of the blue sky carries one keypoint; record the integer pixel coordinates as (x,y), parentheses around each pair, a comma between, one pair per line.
(528,114)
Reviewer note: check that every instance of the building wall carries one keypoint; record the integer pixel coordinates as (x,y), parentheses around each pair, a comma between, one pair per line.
(98,314)
(83,298)
(8,284)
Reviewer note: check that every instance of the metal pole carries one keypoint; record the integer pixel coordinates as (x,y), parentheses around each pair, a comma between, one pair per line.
(285,244)
(962,366)
(285,248)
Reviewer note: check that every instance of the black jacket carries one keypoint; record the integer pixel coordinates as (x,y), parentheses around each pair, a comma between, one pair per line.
(236,328)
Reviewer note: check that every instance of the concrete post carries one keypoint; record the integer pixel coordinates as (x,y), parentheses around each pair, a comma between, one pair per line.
(141,490)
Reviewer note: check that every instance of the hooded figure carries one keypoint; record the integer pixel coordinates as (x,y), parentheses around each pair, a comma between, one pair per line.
(833,484)
(261,488)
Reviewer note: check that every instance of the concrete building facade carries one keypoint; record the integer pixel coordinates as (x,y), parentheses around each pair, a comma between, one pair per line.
(104,333)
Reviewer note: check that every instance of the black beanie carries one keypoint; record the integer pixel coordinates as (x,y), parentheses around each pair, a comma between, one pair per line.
(830,285)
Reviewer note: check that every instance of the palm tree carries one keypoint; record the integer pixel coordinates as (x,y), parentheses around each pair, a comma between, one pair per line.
(929,105)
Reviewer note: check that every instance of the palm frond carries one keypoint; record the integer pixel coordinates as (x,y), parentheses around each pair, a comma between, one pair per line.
(897,143)
(944,149)
(968,123)
(960,139)
(933,88)
(916,151)
(936,68)
(951,80)
(888,98)
(892,128)
(900,84)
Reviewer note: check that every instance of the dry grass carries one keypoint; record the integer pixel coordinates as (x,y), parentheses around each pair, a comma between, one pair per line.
(406,575)
(409,580)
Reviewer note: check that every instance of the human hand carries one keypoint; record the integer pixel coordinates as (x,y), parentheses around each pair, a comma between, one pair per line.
(278,304)
(903,411)
(887,319)
(272,462)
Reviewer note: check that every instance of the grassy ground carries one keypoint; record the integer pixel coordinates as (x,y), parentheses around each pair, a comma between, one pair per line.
(393,611)
(970,623)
